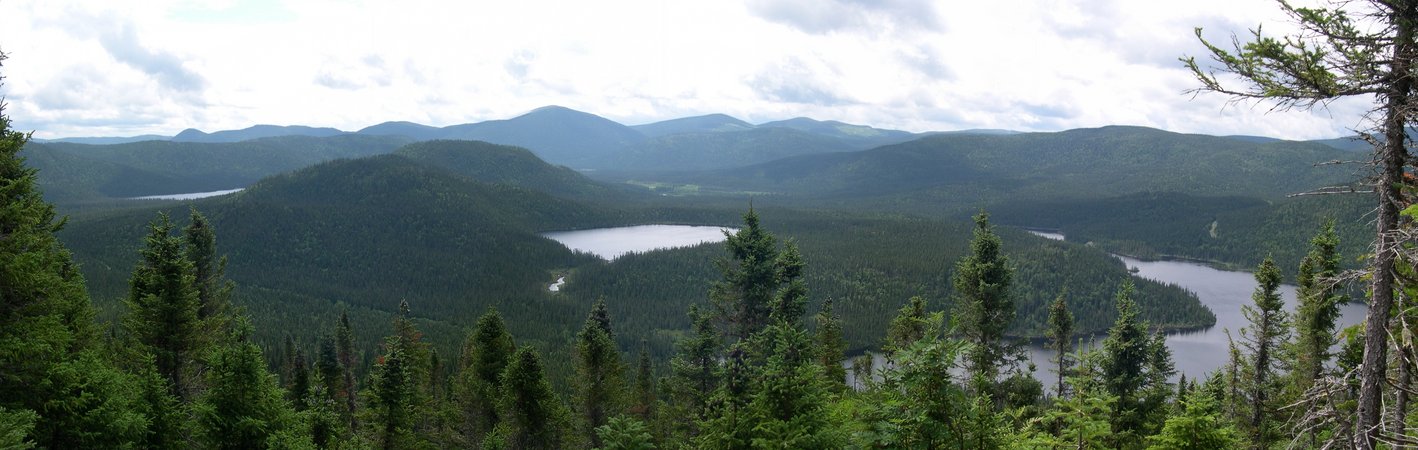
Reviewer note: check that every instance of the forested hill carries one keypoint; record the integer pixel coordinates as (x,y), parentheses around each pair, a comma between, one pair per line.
(973,169)
(73,173)
(365,232)
(515,166)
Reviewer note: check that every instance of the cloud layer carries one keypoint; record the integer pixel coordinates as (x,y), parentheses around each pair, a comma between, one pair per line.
(119,68)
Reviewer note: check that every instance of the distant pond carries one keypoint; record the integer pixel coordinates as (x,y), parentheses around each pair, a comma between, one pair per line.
(187,196)
(611,243)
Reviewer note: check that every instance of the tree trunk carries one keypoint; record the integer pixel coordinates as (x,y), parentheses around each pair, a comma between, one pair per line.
(1391,158)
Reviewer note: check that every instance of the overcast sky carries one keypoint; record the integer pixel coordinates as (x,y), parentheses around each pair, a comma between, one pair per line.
(117,68)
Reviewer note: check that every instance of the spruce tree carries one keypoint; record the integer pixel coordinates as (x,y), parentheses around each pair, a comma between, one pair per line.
(831,347)
(532,415)
(1318,309)
(1124,364)
(58,387)
(1344,49)
(345,353)
(984,305)
(243,406)
(162,305)
(745,295)
(391,400)
(600,374)
(694,370)
(645,396)
(908,327)
(489,348)
(1267,333)
(1060,334)
(208,270)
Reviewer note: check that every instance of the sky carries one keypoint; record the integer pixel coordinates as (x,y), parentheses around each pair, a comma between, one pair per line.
(122,68)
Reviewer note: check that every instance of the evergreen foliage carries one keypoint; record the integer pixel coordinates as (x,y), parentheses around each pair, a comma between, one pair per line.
(1265,337)
(600,373)
(984,306)
(532,416)
(243,407)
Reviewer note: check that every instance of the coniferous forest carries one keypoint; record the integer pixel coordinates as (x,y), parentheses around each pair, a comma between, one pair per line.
(873,289)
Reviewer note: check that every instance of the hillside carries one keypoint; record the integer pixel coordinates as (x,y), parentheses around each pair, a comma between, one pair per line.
(76,172)
(722,149)
(514,166)
(710,123)
(558,135)
(254,132)
(1086,163)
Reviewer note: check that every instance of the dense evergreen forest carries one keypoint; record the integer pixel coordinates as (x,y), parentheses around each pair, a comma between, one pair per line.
(388,288)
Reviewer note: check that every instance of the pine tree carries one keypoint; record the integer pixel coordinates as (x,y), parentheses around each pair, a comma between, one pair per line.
(1318,308)
(532,415)
(1060,334)
(243,407)
(790,303)
(489,350)
(985,305)
(1267,333)
(625,433)
(600,374)
(162,305)
(831,347)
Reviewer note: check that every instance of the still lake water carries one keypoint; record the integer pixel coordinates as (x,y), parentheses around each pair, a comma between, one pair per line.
(611,243)
(1197,353)
(187,196)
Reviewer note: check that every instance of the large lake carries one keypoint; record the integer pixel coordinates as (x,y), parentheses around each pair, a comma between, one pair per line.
(611,243)
(1197,353)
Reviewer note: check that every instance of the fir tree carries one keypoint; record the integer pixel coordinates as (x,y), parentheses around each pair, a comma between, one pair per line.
(163,303)
(985,305)
(625,433)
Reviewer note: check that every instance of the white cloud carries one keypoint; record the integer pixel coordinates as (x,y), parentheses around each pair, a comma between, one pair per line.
(103,68)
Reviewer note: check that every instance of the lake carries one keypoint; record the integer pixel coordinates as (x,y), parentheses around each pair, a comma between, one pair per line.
(187,196)
(611,243)
(1197,353)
